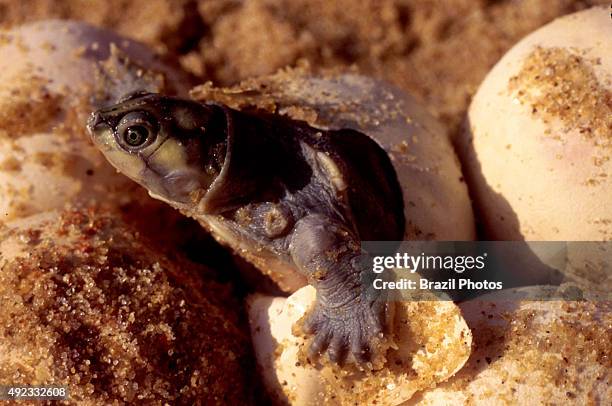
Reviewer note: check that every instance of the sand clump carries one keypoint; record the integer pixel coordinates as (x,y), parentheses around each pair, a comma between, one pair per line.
(88,304)
(556,83)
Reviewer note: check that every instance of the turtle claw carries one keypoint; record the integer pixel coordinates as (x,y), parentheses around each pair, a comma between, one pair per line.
(337,350)
(353,335)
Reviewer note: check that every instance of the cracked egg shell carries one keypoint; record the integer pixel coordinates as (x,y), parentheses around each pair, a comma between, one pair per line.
(433,344)
(49,77)
(538,141)
(63,54)
(532,346)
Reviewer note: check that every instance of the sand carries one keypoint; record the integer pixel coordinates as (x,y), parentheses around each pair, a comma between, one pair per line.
(437,50)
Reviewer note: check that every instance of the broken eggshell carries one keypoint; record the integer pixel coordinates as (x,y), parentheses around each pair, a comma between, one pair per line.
(65,53)
(433,339)
(532,345)
(52,75)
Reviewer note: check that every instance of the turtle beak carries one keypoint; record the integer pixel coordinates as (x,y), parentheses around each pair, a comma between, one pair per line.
(95,120)
(100,131)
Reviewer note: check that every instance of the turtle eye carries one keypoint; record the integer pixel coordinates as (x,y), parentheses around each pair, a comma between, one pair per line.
(136,130)
(136,135)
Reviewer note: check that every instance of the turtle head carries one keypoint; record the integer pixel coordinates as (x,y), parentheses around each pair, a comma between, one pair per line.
(175,148)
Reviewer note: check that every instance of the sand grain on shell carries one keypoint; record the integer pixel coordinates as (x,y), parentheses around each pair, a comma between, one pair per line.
(558,83)
(29,107)
(550,351)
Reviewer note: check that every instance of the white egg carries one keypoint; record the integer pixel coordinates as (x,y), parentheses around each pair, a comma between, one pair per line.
(63,54)
(529,352)
(50,81)
(432,338)
(538,140)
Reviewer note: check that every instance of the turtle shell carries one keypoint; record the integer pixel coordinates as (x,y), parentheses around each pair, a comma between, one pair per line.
(435,197)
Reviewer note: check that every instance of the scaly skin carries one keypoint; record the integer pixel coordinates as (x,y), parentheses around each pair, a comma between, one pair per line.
(347,318)
(307,196)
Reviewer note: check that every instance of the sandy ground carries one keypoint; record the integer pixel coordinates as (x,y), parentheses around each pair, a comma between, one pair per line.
(439,50)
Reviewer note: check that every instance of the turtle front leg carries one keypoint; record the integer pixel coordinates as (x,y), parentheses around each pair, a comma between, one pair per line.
(348,319)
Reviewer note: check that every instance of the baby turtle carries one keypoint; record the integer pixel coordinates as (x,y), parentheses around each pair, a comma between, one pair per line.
(278,191)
